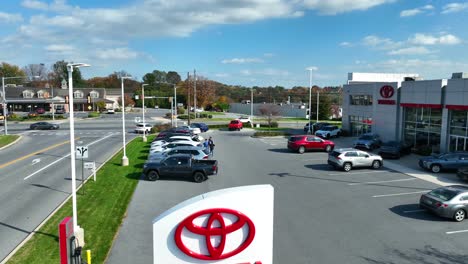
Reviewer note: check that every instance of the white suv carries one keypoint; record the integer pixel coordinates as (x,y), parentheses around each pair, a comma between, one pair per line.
(328,132)
(142,127)
(348,158)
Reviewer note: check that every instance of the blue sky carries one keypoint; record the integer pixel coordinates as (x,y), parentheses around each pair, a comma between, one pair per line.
(241,42)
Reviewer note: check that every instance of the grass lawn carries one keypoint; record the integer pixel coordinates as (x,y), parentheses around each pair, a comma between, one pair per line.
(100,210)
(7,139)
(212,113)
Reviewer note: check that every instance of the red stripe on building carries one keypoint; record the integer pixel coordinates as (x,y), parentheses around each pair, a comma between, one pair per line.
(438,106)
(457,107)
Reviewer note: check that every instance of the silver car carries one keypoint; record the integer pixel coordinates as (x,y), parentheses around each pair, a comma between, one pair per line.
(198,153)
(449,201)
(348,158)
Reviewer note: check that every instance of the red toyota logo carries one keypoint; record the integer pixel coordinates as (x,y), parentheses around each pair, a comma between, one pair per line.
(387,91)
(215,214)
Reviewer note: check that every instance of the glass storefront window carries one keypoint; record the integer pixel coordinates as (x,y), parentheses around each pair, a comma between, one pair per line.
(458,130)
(422,127)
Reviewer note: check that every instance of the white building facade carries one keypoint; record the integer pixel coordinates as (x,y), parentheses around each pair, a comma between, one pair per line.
(402,107)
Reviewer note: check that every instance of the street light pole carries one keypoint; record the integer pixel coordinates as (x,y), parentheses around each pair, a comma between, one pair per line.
(251,107)
(70,67)
(4,107)
(175,104)
(124,158)
(310,102)
(143,95)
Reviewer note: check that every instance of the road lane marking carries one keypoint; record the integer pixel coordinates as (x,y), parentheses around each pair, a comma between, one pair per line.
(64,157)
(34,153)
(363,183)
(398,194)
(456,232)
(414,211)
(34,161)
(353,173)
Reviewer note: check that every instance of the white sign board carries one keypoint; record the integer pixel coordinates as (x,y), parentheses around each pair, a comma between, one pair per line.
(137,119)
(232,226)
(82,152)
(89,165)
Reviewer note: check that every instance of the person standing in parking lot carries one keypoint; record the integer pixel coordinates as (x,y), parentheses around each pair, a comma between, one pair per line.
(206,144)
(212,145)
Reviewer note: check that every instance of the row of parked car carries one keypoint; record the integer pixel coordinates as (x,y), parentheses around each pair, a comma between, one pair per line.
(180,152)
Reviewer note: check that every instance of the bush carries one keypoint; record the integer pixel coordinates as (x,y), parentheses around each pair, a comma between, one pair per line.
(192,116)
(203,115)
(180,111)
(210,116)
(15,117)
(423,150)
(168,115)
(159,128)
(336,119)
(218,126)
(93,114)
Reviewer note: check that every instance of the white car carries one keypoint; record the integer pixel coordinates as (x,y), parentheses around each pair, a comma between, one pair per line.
(196,138)
(194,130)
(110,111)
(142,127)
(245,119)
(174,144)
(328,132)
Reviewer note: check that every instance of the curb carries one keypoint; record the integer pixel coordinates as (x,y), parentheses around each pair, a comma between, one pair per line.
(14,142)
(20,245)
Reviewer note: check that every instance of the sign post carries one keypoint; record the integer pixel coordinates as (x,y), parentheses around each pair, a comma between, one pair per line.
(91,166)
(82,152)
(233,225)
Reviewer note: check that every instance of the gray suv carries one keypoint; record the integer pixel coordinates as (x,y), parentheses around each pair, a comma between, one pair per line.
(348,158)
(446,161)
(198,153)
(368,141)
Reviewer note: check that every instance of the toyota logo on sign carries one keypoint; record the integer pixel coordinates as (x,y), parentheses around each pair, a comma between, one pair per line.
(387,91)
(215,226)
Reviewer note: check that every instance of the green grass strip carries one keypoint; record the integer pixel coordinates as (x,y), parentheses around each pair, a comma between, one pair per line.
(100,210)
(7,139)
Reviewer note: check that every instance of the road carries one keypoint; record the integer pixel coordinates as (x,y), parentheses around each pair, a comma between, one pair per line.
(321,215)
(35,172)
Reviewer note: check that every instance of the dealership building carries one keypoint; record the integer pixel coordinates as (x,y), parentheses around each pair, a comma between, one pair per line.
(403,107)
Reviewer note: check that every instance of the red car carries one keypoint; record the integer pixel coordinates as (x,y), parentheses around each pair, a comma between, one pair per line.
(302,143)
(235,125)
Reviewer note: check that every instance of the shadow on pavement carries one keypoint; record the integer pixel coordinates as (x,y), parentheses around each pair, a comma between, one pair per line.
(404,210)
(282,150)
(28,232)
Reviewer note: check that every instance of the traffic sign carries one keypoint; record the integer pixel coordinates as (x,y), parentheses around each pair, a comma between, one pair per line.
(137,119)
(82,152)
(89,165)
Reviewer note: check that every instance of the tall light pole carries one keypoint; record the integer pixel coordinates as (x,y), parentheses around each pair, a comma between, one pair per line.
(143,95)
(70,67)
(175,104)
(311,69)
(4,103)
(124,158)
(251,107)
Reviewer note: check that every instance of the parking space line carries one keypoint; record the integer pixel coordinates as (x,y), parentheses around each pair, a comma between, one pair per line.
(363,183)
(414,211)
(353,173)
(456,232)
(398,194)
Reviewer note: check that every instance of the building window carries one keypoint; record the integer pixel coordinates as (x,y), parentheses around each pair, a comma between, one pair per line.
(360,125)
(77,94)
(458,130)
(42,94)
(422,128)
(94,94)
(360,99)
(28,94)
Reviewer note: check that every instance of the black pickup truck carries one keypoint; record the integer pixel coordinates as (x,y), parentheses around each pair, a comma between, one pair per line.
(181,165)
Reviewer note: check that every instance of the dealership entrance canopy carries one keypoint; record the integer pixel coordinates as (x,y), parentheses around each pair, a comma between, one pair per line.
(430,114)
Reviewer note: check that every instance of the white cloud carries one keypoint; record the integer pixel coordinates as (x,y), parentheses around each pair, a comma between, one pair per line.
(423,39)
(333,7)
(221,75)
(59,48)
(345,44)
(10,18)
(416,11)
(241,60)
(117,54)
(454,7)
(34,4)
(268,55)
(410,51)
(381,43)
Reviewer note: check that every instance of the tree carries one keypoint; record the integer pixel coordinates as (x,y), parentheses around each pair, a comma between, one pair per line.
(128,101)
(160,76)
(270,111)
(324,106)
(10,70)
(60,72)
(36,72)
(173,77)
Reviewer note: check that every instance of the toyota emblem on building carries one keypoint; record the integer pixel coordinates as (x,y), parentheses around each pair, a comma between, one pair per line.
(387,91)
(215,226)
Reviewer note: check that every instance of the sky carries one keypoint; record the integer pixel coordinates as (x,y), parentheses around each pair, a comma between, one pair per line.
(241,42)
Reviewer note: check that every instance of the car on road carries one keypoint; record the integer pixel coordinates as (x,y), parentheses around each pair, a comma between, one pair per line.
(445,161)
(328,132)
(235,125)
(303,143)
(368,141)
(395,149)
(180,165)
(43,126)
(110,111)
(315,126)
(143,127)
(245,119)
(348,158)
(448,201)
(202,126)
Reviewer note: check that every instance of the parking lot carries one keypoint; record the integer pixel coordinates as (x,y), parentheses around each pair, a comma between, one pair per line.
(322,215)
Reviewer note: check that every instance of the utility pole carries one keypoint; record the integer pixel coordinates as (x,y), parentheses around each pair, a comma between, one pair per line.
(195,92)
(188,97)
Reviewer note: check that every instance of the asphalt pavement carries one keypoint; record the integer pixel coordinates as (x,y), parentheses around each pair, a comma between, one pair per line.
(322,215)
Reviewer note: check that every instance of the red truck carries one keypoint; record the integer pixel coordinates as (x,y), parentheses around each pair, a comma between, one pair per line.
(235,125)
